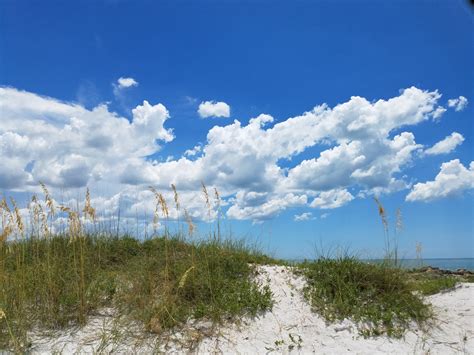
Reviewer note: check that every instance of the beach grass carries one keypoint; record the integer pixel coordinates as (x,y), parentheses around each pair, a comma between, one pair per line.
(55,283)
(58,280)
(431,283)
(376,296)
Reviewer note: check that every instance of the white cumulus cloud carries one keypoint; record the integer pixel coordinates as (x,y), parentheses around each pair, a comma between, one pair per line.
(213,109)
(332,199)
(453,178)
(458,104)
(126,82)
(363,147)
(446,145)
(66,145)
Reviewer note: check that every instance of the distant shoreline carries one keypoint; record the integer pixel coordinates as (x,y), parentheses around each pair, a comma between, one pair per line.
(451,264)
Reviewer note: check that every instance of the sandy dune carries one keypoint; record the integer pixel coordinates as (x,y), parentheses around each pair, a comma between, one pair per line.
(291,327)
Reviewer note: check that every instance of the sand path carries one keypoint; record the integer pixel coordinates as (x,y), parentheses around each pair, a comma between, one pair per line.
(290,328)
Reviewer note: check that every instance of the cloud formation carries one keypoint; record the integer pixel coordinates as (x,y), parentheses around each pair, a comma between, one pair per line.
(446,145)
(452,179)
(364,149)
(213,109)
(126,82)
(65,145)
(306,216)
(439,112)
(458,104)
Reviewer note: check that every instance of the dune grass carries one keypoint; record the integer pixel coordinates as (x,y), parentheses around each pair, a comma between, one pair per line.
(376,296)
(430,284)
(54,283)
(58,280)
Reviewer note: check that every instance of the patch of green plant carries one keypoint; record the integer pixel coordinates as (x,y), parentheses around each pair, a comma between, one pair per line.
(468,278)
(373,295)
(57,281)
(211,280)
(431,284)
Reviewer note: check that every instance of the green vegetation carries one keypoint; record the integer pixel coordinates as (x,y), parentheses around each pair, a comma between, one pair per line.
(57,282)
(430,283)
(376,296)
(53,281)
(429,286)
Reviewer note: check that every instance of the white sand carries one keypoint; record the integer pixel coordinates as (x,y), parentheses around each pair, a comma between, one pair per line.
(290,327)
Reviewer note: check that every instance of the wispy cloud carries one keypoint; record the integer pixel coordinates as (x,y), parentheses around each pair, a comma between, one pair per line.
(306,216)
(458,104)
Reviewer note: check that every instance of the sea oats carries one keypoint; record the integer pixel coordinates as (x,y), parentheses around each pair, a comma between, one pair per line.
(206,197)
(89,211)
(157,204)
(164,206)
(382,213)
(19,221)
(399,223)
(182,281)
(48,199)
(189,221)
(176,200)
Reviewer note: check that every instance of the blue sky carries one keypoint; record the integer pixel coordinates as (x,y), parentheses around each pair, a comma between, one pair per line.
(59,61)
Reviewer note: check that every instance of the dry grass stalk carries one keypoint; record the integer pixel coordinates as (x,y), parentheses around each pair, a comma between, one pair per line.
(399,220)
(189,221)
(182,281)
(164,206)
(49,200)
(44,221)
(217,201)
(206,197)
(40,220)
(160,201)
(176,200)
(217,198)
(34,213)
(6,212)
(157,204)
(74,222)
(7,220)
(18,220)
(382,213)
(89,211)
(7,230)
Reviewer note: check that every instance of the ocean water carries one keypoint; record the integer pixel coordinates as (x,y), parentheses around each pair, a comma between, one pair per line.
(446,264)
